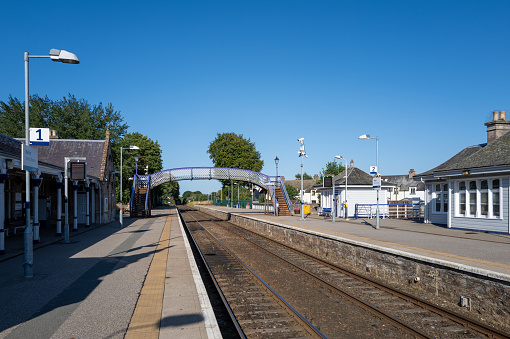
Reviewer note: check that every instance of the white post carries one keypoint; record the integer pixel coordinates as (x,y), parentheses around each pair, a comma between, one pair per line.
(3,176)
(121,221)
(333,212)
(59,205)
(93,202)
(28,235)
(377,155)
(37,184)
(75,209)
(87,183)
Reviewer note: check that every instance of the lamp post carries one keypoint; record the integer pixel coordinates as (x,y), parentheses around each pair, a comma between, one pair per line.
(136,161)
(28,236)
(302,153)
(276,161)
(121,211)
(367,136)
(333,209)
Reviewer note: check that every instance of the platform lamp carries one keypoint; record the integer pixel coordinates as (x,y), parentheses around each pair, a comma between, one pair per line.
(28,252)
(276,161)
(137,157)
(121,211)
(367,136)
(302,153)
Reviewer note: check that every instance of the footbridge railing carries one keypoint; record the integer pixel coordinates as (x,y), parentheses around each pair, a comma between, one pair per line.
(208,173)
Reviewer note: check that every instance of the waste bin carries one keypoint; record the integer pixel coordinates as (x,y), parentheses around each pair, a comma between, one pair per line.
(306,209)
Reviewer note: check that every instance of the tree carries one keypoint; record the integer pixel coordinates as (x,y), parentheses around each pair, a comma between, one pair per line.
(332,168)
(233,151)
(72,118)
(306,176)
(292,192)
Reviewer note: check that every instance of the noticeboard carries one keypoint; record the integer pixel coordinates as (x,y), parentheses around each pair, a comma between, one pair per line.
(328,181)
(78,170)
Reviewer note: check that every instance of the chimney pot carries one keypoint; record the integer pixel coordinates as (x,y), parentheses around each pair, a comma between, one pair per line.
(495,115)
(502,115)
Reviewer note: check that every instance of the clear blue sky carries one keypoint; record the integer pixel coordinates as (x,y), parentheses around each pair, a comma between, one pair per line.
(424,76)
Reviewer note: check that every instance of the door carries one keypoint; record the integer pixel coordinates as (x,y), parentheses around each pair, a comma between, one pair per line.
(82,208)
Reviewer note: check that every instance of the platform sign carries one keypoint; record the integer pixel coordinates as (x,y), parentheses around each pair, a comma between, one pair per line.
(29,158)
(373,170)
(376,183)
(39,136)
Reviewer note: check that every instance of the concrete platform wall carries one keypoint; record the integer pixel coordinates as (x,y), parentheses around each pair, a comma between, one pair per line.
(432,279)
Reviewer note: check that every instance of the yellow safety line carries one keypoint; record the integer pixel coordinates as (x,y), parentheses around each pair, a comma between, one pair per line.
(145,322)
(489,263)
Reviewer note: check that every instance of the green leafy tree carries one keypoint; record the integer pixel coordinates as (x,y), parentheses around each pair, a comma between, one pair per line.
(292,192)
(72,118)
(233,151)
(306,176)
(332,168)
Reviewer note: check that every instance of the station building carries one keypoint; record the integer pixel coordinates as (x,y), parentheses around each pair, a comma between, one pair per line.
(471,189)
(93,199)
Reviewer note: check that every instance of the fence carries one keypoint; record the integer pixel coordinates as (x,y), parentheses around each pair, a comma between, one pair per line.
(235,203)
(393,211)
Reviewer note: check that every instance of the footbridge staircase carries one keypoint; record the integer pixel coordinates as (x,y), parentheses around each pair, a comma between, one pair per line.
(140,205)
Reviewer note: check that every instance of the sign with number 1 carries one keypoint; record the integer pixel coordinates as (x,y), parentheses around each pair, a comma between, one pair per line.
(39,136)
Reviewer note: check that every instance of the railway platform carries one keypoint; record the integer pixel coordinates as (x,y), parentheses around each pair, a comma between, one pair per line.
(108,282)
(472,250)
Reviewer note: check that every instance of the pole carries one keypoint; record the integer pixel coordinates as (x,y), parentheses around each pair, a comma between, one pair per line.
(66,206)
(302,206)
(377,163)
(333,205)
(121,211)
(346,212)
(28,235)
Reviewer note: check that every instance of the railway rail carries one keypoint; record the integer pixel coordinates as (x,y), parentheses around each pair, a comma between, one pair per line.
(338,302)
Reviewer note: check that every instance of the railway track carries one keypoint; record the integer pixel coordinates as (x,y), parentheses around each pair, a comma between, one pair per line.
(338,302)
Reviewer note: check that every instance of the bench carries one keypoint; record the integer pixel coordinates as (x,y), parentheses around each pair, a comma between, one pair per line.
(325,212)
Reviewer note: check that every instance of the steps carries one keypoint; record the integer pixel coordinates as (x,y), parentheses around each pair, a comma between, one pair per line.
(138,204)
(283,209)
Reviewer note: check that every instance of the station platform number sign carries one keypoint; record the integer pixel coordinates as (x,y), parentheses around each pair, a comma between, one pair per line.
(39,136)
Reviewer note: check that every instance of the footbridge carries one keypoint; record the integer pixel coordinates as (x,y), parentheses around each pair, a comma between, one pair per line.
(140,205)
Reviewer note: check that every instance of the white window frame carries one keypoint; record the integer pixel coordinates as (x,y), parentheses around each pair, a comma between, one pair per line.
(490,190)
(441,194)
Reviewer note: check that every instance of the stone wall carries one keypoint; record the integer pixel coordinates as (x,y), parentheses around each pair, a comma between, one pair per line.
(441,282)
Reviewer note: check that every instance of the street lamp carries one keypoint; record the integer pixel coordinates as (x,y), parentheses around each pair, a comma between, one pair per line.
(276,161)
(367,136)
(121,211)
(136,161)
(302,153)
(28,236)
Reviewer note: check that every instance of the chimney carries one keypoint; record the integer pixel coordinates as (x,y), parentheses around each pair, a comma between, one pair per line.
(497,127)
(315,177)
(53,134)
(352,164)
(411,173)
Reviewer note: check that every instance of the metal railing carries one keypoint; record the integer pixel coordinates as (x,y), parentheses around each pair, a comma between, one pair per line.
(207,173)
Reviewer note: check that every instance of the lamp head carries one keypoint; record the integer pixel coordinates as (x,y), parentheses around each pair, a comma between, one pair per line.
(137,158)
(338,157)
(301,140)
(364,136)
(134,147)
(63,56)
(276,160)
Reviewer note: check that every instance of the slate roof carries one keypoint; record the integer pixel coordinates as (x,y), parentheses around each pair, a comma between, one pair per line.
(494,154)
(403,182)
(307,184)
(10,146)
(58,149)
(355,177)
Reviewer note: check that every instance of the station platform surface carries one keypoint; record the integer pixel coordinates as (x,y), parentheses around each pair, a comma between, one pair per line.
(479,250)
(108,282)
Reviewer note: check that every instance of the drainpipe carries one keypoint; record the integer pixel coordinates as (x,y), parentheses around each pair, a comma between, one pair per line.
(100,201)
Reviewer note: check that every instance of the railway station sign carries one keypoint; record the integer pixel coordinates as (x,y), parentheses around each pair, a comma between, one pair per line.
(39,136)
(376,183)
(373,170)
(29,158)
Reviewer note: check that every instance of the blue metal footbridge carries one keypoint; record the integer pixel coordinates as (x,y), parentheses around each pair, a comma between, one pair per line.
(140,204)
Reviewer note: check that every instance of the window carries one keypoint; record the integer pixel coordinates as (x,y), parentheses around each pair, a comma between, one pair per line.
(440,196)
(413,190)
(478,198)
